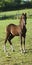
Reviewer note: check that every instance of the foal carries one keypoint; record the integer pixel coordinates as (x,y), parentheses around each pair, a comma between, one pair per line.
(13,30)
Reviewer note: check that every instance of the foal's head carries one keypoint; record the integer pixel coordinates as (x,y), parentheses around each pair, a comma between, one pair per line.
(24,16)
(23,19)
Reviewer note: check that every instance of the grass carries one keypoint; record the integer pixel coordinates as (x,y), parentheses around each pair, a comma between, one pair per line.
(8,13)
(15,58)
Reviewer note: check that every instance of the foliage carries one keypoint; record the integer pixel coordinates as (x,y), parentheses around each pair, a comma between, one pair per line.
(13,4)
(18,1)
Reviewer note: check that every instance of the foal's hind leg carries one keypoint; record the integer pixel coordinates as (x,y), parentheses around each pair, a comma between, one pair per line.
(9,39)
(11,45)
(5,42)
(5,45)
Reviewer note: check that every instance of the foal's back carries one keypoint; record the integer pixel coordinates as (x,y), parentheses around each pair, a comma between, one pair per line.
(13,29)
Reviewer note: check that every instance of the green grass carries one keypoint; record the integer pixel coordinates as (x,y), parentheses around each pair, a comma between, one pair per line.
(16,58)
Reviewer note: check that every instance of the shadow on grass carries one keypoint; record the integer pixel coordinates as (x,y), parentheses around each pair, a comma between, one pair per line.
(29,50)
(17,64)
(24,63)
(11,16)
(7,17)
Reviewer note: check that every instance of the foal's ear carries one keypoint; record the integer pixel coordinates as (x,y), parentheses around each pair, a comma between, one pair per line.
(21,17)
(25,15)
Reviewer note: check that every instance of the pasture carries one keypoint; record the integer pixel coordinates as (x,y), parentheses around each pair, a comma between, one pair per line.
(16,58)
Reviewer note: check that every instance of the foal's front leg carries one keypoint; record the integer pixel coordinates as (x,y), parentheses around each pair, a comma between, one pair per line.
(24,46)
(21,43)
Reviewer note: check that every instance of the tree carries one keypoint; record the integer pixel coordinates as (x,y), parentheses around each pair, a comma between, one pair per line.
(17,1)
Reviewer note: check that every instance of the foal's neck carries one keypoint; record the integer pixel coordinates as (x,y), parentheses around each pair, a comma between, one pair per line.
(22,23)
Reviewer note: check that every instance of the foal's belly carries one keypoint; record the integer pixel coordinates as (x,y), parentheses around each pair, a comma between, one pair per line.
(15,30)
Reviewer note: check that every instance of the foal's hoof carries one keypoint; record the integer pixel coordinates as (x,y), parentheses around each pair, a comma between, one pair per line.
(24,51)
(13,50)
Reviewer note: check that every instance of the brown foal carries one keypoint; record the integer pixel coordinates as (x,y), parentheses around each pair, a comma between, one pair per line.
(13,30)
